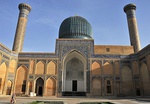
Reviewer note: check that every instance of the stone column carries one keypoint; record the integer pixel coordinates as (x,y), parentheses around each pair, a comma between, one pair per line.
(34,77)
(33,85)
(44,87)
(132,26)
(21,27)
(45,78)
(27,85)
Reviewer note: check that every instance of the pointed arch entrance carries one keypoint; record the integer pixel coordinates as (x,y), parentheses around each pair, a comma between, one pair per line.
(50,87)
(9,87)
(74,74)
(39,87)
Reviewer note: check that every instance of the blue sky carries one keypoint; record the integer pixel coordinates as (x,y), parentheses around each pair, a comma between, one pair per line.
(106,17)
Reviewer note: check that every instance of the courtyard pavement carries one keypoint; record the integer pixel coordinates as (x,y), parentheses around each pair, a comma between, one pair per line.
(77,100)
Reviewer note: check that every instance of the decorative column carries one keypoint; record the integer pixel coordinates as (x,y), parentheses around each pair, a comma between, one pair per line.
(21,27)
(132,26)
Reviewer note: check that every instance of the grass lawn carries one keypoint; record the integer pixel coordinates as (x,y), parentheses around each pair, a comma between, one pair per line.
(47,102)
(96,103)
(60,102)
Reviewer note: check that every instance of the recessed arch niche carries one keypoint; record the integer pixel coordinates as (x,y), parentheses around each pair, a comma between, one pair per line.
(126,76)
(96,87)
(96,68)
(50,86)
(51,68)
(39,68)
(74,72)
(145,79)
(21,78)
(2,76)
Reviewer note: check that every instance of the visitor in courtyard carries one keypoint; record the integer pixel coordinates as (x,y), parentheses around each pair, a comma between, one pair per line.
(13,99)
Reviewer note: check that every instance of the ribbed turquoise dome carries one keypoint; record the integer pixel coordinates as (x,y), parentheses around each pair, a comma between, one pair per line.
(75,27)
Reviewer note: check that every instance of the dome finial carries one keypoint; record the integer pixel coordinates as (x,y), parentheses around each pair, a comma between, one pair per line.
(76,14)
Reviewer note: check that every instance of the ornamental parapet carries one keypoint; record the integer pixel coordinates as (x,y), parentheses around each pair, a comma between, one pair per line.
(37,55)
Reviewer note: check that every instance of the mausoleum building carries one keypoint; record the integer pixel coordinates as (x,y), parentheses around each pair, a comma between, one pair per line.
(78,67)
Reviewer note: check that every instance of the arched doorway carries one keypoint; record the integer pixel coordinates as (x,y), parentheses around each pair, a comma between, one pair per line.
(39,87)
(9,87)
(74,75)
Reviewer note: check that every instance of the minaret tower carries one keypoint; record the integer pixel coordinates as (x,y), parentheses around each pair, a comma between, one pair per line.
(132,26)
(21,27)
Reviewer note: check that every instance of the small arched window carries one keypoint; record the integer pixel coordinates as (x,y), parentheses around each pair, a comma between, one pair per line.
(108,86)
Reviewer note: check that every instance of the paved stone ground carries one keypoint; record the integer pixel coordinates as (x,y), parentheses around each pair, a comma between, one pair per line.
(77,100)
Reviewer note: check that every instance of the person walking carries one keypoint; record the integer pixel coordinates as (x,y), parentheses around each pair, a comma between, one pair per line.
(13,99)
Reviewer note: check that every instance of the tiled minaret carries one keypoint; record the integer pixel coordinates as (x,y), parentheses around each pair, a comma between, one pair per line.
(132,26)
(21,27)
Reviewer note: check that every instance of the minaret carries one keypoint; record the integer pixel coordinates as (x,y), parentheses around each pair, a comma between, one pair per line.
(132,26)
(21,27)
